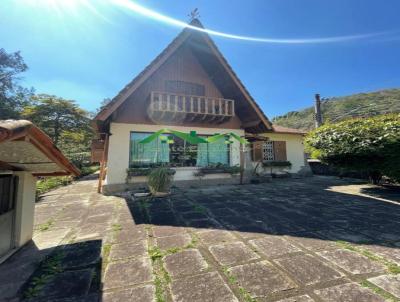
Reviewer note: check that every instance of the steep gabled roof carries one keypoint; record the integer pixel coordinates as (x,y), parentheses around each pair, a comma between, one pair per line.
(286,130)
(123,95)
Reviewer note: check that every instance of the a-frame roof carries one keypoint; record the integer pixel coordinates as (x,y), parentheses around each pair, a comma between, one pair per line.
(256,121)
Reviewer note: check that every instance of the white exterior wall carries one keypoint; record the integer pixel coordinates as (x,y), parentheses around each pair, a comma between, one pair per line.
(25,208)
(294,148)
(118,151)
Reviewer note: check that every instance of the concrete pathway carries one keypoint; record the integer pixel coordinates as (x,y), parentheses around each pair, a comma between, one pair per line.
(316,239)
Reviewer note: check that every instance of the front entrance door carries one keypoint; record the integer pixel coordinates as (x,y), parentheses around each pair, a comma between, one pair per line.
(8,190)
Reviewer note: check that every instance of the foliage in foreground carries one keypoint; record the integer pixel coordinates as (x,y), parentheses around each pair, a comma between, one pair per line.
(160,180)
(50,183)
(370,145)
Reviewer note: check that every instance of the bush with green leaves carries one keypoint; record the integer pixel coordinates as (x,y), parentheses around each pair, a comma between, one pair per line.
(160,179)
(365,144)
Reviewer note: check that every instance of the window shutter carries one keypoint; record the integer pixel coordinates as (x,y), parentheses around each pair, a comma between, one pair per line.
(280,150)
(257,151)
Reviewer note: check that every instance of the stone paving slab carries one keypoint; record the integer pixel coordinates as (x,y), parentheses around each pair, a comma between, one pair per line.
(312,242)
(140,294)
(232,253)
(308,270)
(188,262)
(127,235)
(209,287)
(352,262)
(273,246)
(68,284)
(274,241)
(348,293)
(166,231)
(303,298)
(391,253)
(210,237)
(128,250)
(390,283)
(176,241)
(82,254)
(45,240)
(261,279)
(128,272)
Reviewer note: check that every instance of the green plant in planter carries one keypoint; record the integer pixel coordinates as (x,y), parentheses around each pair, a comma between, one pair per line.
(160,180)
(232,169)
(277,163)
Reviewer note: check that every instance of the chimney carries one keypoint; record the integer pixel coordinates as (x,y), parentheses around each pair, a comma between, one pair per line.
(318,113)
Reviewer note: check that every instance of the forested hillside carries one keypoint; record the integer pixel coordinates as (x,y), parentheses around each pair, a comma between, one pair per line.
(340,108)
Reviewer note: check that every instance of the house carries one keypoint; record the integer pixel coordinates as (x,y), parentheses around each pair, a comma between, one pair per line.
(25,153)
(188,88)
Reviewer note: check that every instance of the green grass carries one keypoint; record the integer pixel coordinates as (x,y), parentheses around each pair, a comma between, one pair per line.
(106,253)
(49,267)
(390,266)
(162,278)
(243,292)
(155,253)
(47,225)
(388,297)
(192,243)
(159,289)
(116,227)
(50,183)
(89,170)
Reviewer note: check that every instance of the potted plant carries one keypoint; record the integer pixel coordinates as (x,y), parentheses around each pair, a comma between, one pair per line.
(280,165)
(213,169)
(160,180)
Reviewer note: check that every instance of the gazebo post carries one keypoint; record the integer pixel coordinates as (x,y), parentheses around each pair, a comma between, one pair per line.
(241,163)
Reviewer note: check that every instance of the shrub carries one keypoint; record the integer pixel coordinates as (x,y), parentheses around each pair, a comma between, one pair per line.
(160,180)
(370,145)
(277,163)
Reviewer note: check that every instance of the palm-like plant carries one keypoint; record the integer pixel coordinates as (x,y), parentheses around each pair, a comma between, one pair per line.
(160,180)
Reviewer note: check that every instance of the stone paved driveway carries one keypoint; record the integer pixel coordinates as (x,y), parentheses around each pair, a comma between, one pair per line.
(314,239)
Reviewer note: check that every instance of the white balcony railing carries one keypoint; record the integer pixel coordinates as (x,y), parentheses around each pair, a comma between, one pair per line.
(209,108)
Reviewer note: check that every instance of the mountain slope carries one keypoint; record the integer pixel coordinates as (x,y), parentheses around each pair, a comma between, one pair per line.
(335,109)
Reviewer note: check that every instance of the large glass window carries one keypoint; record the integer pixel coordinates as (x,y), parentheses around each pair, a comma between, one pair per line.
(178,154)
(155,152)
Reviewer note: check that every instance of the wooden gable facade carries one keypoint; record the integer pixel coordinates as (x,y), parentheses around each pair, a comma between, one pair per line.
(181,75)
(191,67)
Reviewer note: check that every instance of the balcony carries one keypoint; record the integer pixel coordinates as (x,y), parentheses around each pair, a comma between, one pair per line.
(166,106)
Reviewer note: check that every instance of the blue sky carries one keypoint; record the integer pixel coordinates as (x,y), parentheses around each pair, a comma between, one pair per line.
(90,53)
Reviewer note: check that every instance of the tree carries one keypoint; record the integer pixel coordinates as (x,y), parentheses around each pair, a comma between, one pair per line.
(66,124)
(13,97)
(370,144)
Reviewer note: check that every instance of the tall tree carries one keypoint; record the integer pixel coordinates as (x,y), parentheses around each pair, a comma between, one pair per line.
(13,97)
(61,119)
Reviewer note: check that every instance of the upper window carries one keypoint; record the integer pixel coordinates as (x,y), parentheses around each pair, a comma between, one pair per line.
(187,88)
(178,154)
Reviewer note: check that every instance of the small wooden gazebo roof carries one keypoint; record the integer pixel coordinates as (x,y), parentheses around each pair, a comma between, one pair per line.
(24,147)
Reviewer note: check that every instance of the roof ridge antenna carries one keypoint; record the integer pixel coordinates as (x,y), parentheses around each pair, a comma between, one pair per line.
(194,15)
